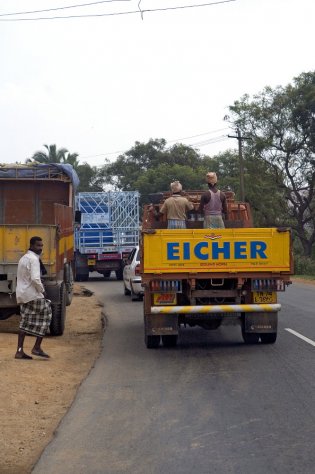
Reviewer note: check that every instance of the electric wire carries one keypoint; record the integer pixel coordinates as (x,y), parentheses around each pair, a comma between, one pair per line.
(63,8)
(214,139)
(199,135)
(210,141)
(94,15)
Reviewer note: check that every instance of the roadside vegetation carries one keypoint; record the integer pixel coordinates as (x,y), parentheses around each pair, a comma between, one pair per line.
(279,163)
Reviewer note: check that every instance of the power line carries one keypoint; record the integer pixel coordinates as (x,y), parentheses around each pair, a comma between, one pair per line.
(169,141)
(116,13)
(63,8)
(199,135)
(209,142)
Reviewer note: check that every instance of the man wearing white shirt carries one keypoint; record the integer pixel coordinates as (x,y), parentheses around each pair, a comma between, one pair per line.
(30,295)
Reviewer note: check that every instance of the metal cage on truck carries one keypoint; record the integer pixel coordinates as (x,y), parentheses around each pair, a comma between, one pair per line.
(107,230)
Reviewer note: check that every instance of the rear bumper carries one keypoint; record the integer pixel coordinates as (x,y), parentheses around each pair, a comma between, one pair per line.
(137,288)
(225,308)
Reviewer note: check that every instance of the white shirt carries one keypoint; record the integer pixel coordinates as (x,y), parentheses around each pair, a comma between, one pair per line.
(28,285)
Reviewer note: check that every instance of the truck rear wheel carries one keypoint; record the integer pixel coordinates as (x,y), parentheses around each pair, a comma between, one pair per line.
(134,296)
(170,340)
(81,277)
(268,338)
(152,342)
(119,274)
(68,277)
(250,337)
(57,325)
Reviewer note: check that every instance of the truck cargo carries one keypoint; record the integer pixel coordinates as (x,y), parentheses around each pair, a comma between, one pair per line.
(107,230)
(38,199)
(209,277)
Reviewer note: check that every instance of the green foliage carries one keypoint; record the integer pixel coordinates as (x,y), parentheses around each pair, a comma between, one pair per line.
(90,180)
(152,165)
(159,179)
(304,265)
(52,155)
(72,159)
(281,125)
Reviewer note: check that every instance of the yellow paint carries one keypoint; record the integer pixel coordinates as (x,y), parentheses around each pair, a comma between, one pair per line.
(66,244)
(14,242)
(217,250)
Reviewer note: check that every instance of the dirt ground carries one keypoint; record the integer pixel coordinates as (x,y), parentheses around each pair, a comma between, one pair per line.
(36,394)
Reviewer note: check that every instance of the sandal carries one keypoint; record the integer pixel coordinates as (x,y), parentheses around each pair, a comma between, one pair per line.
(40,353)
(22,355)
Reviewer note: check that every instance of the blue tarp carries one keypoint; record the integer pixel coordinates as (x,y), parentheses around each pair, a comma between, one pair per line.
(39,170)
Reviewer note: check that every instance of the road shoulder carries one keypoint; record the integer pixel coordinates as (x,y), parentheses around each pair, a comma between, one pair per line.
(36,394)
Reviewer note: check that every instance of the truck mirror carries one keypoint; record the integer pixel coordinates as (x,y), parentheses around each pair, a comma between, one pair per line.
(77,217)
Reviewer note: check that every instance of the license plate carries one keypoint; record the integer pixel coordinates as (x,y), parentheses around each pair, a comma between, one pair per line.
(164,298)
(261,297)
(91,261)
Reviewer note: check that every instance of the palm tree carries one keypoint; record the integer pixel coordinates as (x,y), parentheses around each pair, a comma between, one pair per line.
(72,159)
(51,156)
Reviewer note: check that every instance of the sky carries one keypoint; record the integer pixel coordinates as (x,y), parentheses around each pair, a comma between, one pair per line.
(96,85)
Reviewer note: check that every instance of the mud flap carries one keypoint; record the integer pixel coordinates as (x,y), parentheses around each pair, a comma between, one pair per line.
(260,322)
(161,324)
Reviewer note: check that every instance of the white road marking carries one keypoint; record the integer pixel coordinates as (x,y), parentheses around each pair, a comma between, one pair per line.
(297,334)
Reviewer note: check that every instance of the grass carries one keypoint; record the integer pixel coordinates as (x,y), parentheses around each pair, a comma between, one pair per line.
(304,277)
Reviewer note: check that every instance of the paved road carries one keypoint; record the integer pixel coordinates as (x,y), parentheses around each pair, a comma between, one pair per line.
(211,405)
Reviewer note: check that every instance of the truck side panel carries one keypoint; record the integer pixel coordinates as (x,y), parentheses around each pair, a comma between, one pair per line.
(64,236)
(15,241)
(31,202)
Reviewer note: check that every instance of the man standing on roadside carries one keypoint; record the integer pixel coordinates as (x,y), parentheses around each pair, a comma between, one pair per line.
(213,204)
(34,308)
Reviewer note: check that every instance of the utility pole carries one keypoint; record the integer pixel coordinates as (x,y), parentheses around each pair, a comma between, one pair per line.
(241,161)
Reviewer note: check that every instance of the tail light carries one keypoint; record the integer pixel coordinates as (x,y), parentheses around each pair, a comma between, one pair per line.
(166,285)
(268,285)
(137,269)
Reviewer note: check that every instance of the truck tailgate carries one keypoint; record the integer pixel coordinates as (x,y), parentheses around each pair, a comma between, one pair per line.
(217,250)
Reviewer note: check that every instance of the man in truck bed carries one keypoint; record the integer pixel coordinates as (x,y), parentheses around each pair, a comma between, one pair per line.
(175,208)
(213,204)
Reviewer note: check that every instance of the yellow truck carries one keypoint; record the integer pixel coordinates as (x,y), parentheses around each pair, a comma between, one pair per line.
(208,277)
(38,199)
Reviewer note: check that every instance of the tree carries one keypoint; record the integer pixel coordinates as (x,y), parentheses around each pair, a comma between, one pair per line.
(143,158)
(281,125)
(159,179)
(52,155)
(71,159)
(89,178)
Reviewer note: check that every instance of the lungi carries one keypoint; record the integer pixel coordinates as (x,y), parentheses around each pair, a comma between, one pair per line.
(176,224)
(36,317)
(213,222)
